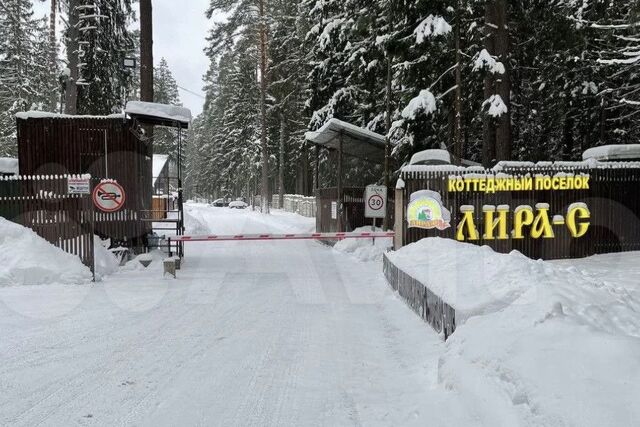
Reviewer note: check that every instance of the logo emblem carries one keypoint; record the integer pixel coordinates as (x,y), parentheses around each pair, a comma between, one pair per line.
(427,211)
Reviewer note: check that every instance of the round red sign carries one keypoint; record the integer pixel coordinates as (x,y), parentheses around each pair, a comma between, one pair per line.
(109,196)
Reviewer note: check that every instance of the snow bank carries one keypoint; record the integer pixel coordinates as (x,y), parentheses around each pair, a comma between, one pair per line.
(27,259)
(544,343)
(106,263)
(365,249)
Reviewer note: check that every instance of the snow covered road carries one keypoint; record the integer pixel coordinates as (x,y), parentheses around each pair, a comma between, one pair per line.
(261,333)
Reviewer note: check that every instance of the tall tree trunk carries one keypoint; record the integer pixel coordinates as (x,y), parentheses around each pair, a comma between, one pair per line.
(283,137)
(387,146)
(489,131)
(53,55)
(263,108)
(71,92)
(458,141)
(503,83)
(146,51)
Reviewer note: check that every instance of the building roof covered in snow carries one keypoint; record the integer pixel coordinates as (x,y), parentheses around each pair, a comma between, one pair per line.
(26,115)
(613,152)
(356,141)
(159,114)
(8,166)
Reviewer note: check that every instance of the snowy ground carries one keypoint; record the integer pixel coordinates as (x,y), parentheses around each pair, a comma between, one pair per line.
(294,333)
(264,333)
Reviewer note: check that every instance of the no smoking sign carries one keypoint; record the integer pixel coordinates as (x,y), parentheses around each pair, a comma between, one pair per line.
(375,201)
(109,196)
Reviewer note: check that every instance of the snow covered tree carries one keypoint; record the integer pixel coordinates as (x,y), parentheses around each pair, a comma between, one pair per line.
(25,75)
(104,43)
(165,91)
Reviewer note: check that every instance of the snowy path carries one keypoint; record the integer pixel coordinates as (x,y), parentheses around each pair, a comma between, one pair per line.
(266,333)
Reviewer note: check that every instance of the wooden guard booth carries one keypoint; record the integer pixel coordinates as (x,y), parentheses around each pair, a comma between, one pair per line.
(346,140)
(106,148)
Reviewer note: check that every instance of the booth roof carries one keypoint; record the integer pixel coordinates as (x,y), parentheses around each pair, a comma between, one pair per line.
(159,114)
(356,141)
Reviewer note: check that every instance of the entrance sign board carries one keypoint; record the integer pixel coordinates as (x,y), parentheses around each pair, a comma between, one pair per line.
(334,210)
(375,201)
(109,196)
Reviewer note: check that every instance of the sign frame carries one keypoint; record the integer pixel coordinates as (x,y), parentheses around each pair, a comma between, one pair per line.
(79,186)
(375,201)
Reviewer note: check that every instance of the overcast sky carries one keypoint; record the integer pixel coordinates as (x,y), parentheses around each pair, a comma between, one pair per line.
(179,32)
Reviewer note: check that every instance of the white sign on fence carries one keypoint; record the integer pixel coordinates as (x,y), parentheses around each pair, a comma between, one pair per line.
(334,210)
(375,201)
(78,186)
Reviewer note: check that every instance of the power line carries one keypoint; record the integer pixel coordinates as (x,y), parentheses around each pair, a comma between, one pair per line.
(191,92)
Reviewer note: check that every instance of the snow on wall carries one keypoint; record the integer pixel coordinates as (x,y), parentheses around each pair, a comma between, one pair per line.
(9,165)
(613,152)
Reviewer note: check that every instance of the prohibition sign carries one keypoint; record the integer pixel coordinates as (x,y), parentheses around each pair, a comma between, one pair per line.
(109,196)
(375,202)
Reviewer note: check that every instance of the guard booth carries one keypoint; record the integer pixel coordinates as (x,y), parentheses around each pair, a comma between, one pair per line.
(352,149)
(108,148)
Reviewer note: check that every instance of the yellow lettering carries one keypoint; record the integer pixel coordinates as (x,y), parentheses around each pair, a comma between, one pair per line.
(467,226)
(523,217)
(542,225)
(578,212)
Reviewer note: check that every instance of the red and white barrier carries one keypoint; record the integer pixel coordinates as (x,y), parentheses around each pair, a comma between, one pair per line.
(309,236)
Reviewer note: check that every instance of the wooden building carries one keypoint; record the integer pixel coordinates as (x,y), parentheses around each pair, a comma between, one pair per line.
(104,147)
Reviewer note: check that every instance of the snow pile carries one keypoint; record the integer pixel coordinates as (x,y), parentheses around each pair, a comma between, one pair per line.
(425,103)
(105,261)
(27,259)
(543,343)
(365,249)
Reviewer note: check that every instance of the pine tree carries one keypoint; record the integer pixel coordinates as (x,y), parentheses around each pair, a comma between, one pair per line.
(25,75)
(165,91)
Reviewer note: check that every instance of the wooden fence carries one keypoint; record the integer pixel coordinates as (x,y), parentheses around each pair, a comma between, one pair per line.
(612,197)
(42,204)
(426,304)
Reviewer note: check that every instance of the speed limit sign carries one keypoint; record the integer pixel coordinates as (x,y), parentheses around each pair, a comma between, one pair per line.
(375,201)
